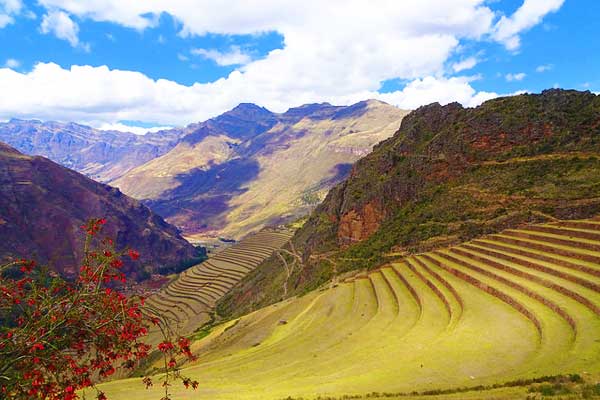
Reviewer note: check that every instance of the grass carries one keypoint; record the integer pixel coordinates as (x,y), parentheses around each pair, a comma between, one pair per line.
(415,329)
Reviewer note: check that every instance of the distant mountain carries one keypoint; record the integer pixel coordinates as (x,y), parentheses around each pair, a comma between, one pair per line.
(42,206)
(101,155)
(249,167)
(447,175)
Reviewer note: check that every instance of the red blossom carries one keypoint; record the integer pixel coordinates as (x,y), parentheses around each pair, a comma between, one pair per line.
(36,347)
(72,331)
(134,254)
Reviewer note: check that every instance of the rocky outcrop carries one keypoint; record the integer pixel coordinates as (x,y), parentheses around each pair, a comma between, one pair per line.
(357,225)
(43,205)
(438,144)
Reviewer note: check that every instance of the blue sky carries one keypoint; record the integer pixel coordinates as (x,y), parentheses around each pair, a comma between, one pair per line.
(111,62)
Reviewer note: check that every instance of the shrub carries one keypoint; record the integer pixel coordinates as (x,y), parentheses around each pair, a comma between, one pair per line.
(57,335)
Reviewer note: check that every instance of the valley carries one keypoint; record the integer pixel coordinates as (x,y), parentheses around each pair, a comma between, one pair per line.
(460,258)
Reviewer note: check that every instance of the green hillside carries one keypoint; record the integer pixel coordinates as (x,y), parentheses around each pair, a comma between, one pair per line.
(449,174)
(503,309)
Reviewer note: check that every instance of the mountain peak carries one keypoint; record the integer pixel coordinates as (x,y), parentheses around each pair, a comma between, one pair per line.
(248,111)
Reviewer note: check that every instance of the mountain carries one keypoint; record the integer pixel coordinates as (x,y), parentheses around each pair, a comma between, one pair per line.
(101,155)
(42,206)
(447,175)
(249,167)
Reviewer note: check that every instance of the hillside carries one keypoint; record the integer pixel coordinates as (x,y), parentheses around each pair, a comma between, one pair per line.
(250,167)
(447,175)
(42,206)
(101,155)
(500,312)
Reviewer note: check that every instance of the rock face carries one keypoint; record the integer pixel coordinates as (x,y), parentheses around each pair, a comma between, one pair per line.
(357,225)
(249,167)
(42,206)
(101,155)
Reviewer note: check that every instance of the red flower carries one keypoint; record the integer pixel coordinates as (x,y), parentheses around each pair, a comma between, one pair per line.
(36,346)
(134,254)
(165,346)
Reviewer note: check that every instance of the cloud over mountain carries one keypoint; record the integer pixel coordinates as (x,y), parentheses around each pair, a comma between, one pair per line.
(339,52)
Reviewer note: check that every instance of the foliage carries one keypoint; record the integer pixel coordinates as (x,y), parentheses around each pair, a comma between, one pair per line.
(58,337)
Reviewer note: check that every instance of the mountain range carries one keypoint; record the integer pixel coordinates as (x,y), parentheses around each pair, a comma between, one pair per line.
(250,167)
(101,155)
(227,176)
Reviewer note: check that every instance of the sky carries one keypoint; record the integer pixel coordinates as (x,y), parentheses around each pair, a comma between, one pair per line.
(142,65)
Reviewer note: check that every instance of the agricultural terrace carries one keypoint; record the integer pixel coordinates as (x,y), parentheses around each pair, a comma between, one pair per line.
(189,300)
(515,305)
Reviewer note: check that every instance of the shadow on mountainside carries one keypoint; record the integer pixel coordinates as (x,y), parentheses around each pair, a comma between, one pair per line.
(201,201)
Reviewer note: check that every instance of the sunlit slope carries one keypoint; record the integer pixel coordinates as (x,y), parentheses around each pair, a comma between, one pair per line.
(296,175)
(188,301)
(223,182)
(159,175)
(523,303)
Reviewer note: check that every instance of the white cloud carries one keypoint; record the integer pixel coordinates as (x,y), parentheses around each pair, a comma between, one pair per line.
(465,64)
(515,77)
(8,10)
(530,13)
(544,68)
(336,51)
(442,90)
(232,57)
(12,63)
(63,27)
(182,57)
(85,93)
(138,130)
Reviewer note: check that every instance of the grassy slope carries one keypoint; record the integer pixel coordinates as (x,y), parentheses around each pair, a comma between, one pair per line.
(416,325)
(154,178)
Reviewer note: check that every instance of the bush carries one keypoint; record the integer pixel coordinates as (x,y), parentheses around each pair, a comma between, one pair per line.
(57,335)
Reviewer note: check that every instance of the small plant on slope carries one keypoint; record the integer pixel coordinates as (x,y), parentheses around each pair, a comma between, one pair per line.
(57,336)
